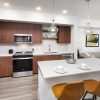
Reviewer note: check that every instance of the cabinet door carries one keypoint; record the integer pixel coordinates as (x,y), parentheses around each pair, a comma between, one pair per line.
(1,61)
(37,33)
(8,34)
(53,57)
(7,61)
(7,71)
(35,68)
(43,58)
(6,66)
(64,34)
(35,63)
(1,71)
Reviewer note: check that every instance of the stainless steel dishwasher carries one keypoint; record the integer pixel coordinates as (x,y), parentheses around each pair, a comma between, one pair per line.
(68,56)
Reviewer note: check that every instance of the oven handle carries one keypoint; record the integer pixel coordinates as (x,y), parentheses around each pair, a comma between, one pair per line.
(22,58)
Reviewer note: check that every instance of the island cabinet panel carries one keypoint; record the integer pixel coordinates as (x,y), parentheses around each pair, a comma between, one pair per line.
(8,29)
(64,34)
(6,66)
(43,58)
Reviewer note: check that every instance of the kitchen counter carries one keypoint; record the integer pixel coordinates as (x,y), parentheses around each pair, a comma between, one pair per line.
(5,55)
(72,69)
(51,53)
(47,77)
(41,53)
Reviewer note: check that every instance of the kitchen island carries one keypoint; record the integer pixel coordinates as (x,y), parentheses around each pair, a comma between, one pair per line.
(47,77)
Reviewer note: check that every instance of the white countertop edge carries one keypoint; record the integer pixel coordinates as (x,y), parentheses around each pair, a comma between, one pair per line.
(51,53)
(41,53)
(61,75)
(4,55)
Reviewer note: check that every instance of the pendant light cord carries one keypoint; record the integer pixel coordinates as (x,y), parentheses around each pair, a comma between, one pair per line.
(89,31)
(53,11)
(53,28)
(88,12)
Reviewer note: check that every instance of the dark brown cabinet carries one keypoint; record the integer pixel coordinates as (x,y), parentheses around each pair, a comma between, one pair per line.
(37,33)
(6,66)
(43,58)
(8,29)
(64,34)
(7,33)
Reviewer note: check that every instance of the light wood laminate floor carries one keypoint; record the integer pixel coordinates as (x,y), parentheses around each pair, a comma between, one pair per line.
(24,88)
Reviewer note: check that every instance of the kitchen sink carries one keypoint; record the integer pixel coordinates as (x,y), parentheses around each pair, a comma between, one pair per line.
(49,52)
(53,52)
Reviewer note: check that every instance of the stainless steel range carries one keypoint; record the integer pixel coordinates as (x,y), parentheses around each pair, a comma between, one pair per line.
(22,64)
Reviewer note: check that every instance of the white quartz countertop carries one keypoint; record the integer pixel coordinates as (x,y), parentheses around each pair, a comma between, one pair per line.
(4,55)
(41,53)
(47,67)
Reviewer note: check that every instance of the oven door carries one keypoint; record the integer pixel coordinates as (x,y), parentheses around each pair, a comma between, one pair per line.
(22,64)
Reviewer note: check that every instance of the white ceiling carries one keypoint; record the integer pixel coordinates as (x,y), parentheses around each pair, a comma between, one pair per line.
(74,7)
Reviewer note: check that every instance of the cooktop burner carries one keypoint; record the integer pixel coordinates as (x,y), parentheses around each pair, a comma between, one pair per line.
(23,54)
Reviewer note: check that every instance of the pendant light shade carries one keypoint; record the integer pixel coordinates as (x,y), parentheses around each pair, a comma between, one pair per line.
(53,28)
(88,30)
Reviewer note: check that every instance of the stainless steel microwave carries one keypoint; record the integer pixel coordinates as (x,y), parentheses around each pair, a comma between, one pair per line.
(22,38)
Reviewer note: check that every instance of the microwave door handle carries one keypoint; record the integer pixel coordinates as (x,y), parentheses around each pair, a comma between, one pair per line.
(28,38)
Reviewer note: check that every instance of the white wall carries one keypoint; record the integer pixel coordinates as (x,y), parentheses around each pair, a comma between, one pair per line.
(29,16)
(33,17)
(82,37)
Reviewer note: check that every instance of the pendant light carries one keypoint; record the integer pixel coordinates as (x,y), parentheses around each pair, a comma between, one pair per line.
(53,28)
(88,30)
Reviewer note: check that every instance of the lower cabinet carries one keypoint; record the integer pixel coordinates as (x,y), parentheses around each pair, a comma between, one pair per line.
(43,58)
(6,66)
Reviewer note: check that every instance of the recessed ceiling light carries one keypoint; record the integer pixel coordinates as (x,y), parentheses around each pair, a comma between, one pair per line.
(6,4)
(64,11)
(38,8)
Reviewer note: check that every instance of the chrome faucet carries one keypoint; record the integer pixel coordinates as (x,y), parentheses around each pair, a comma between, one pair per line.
(49,48)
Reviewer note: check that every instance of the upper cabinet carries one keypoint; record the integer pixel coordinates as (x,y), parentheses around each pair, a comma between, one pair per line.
(6,35)
(8,29)
(37,33)
(64,34)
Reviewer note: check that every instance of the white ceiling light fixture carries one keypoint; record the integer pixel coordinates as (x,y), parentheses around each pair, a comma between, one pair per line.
(53,28)
(88,30)
(38,8)
(6,4)
(64,11)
